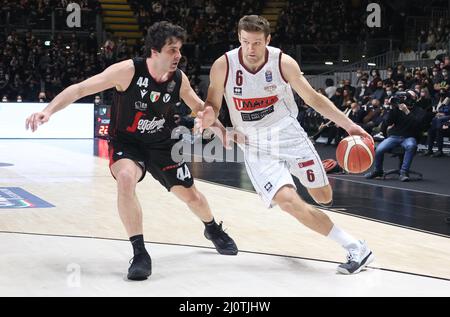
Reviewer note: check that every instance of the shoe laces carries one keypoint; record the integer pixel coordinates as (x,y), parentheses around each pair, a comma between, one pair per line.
(220,231)
(354,254)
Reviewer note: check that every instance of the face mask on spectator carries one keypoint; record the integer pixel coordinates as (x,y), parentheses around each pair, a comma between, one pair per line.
(19,98)
(358,75)
(389,93)
(435,74)
(5,99)
(363,85)
(444,74)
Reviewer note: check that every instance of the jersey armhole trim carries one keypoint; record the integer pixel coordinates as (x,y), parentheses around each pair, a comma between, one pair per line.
(228,69)
(279,67)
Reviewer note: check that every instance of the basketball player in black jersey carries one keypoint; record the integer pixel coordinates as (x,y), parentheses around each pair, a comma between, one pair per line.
(142,119)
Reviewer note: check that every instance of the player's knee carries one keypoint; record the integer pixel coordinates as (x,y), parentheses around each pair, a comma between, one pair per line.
(126,179)
(287,206)
(193,199)
(285,198)
(291,204)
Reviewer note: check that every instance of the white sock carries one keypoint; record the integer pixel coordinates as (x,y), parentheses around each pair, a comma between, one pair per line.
(342,237)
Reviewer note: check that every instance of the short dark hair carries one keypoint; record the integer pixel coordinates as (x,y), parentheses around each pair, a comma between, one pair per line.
(329,82)
(162,33)
(254,23)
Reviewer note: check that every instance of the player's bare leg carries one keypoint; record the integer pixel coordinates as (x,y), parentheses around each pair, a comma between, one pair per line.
(359,254)
(127,174)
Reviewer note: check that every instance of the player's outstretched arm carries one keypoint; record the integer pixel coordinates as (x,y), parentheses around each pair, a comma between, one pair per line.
(114,75)
(292,73)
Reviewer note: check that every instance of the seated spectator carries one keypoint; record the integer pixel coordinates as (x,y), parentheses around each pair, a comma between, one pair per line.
(357,114)
(389,81)
(379,92)
(375,73)
(405,120)
(373,117)
(363,92)
(331,88)
(435,132)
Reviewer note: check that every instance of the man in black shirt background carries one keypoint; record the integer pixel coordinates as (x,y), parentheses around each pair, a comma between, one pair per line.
(405,122)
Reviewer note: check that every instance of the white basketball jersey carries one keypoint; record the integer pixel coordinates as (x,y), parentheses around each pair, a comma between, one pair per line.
(258,99)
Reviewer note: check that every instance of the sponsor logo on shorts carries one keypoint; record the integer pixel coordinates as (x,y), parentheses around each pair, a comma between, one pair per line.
(306,164)
(268,187)
(171,167)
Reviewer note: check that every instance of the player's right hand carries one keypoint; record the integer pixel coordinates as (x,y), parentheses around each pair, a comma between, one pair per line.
(204,119)
(35,120)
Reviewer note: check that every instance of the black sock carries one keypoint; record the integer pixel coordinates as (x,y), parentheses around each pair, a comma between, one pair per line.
(138,244)
(211,226)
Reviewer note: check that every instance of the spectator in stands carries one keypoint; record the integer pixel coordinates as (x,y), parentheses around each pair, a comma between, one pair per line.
(431,41)
(347,99)
(330,89)
(400,74)
(390,77)
(379,92)
(389,91)
(373,116)
(363,92)
(447,60)
(422,39)
(360,75)
(337,99)
(405,120)
(435,132)
(357,114)
(425,103)
(349,87)
(375,73)
(400,86)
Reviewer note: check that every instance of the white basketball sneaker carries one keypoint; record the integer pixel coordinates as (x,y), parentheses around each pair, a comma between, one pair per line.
(358,257)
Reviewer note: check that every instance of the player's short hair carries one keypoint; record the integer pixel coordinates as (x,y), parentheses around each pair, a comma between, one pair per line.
(162,33)
(254,23)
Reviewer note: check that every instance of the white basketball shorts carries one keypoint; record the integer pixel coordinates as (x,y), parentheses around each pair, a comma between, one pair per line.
(273,155)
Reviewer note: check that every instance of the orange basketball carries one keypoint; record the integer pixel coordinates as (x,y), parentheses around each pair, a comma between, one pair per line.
(355,154)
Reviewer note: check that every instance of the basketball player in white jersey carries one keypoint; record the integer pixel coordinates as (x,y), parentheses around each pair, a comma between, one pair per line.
(256,80)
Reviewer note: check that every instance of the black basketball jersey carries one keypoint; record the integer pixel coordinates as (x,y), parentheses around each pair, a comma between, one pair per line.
(144,112)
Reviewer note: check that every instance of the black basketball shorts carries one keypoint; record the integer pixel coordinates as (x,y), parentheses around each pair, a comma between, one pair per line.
(154,158)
